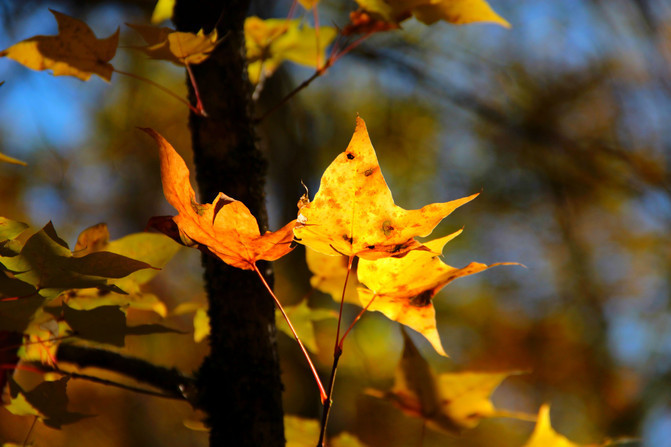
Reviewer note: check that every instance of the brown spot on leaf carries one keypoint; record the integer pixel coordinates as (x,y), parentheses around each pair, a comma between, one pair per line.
(368,172)
(387,228)
(422,300)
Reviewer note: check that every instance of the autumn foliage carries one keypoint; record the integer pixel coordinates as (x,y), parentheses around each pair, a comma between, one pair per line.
(361,248)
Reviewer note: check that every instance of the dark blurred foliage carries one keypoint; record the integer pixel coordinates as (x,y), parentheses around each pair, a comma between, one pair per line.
(561,122)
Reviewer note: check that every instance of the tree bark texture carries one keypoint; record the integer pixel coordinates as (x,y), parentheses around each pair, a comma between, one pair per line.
(239,382)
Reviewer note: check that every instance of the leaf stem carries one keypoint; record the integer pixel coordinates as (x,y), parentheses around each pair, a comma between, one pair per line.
(30,431)
(342,340)
(337,352)
(199,103)
(322,393)
(160,87)
(333,58)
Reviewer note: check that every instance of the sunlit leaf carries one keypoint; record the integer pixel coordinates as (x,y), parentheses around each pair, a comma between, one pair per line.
(48,400)
(328,275)
(403,288)
(162,11)
(176,46)
(201,321)
(353,213)
(449,402)
(75,51)
(201,325)
(301,432)
(457,12)
(302,317)
(9,229)
(39,344)
(226,226)
(272,41)
(12,160)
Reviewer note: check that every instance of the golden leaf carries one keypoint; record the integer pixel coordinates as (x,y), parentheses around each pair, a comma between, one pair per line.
(458,12)
(403,288)
(270,42)
(75,51)
(354,214)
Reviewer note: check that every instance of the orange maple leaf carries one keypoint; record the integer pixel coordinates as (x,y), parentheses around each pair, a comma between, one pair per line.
(402,289)
(354,214)
(225,227)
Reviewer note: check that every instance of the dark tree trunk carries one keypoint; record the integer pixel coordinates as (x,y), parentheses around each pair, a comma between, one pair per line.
(239,382)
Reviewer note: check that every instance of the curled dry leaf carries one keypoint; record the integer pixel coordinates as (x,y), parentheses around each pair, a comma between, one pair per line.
(75,51)
(225,227)
(403,288)
(354,214)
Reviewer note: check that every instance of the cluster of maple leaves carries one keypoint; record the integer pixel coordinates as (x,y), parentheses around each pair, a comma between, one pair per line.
(49,293)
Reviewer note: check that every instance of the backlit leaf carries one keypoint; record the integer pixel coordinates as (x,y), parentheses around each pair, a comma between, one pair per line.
(458,12)
(163,11)
(176,46)
(328,275)
(544,435)
(449,402)
(225,227)
(354,214)
(403,288)
(301,432)
(302,317)
(46,262)
(75,51)
(12,160)
(272,41)
(9,229)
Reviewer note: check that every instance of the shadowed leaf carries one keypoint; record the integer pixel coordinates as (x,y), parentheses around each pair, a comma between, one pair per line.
(448,402)
(48,400)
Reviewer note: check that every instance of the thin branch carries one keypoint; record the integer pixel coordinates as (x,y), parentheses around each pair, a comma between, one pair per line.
(342,340)
(99,380)
(169,380)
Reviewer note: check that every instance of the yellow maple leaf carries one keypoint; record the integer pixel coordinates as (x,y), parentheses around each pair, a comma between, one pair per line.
(177,47)
(354,214)
(163,11)
(543,434)
(458,12)
(403,288)
(225,227)
(328,275)
(75,51)
(448,402)
(270,42)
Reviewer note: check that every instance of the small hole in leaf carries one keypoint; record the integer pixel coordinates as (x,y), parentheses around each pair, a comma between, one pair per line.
(350,156)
